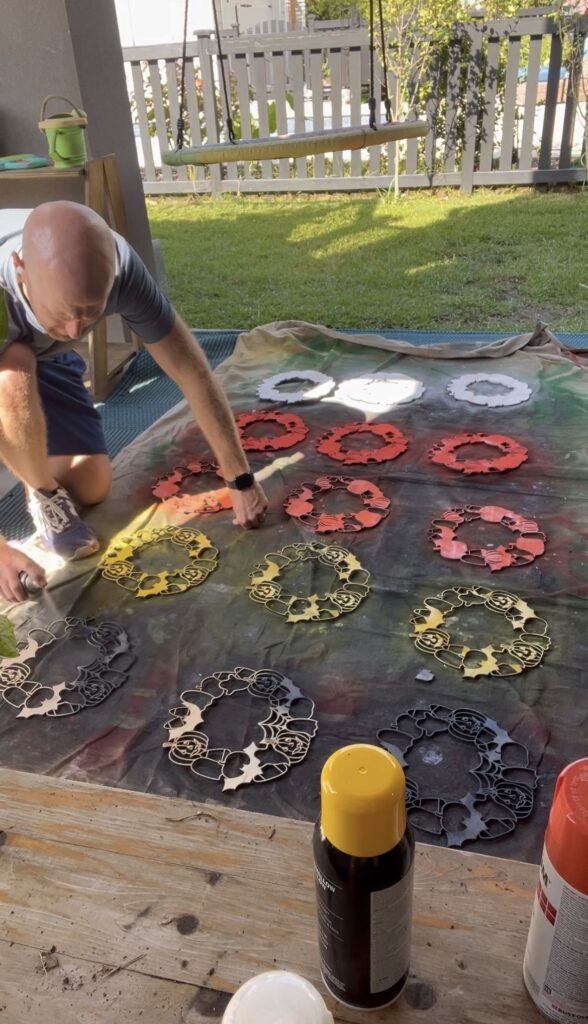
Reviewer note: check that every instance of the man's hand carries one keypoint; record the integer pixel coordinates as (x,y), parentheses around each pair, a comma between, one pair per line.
(249,507)
(13,562)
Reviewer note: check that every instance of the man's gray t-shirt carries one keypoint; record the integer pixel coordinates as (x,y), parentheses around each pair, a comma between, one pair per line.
(134,294)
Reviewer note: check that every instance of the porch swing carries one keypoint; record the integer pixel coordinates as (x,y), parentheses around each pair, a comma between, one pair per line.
(328,140)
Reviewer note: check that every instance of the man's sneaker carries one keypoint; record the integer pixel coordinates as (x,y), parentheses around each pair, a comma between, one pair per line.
(60,528)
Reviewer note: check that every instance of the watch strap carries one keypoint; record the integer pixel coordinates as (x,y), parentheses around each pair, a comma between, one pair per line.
(242,482)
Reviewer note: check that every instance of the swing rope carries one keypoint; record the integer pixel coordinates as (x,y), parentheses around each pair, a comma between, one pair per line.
(180,126)
(387,102)
(221,60)
(372,97)
(308,143)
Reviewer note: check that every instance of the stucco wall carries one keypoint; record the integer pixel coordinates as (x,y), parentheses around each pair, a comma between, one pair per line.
(70,48)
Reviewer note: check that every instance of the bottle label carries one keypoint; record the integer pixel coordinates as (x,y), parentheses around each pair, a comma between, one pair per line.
(391,916)
(556,959)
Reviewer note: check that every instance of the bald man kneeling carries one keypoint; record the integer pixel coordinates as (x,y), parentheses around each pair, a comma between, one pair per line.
(62,269)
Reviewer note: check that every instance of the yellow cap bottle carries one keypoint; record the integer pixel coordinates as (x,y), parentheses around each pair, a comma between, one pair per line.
(364,854)
(362,800)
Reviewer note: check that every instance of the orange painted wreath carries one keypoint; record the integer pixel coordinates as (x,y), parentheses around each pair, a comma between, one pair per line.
(168,488)
(296,430)
(512,454)
(300,505)
(394,445)
(529,543)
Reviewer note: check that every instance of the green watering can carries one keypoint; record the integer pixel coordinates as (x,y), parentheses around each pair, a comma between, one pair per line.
(65,135)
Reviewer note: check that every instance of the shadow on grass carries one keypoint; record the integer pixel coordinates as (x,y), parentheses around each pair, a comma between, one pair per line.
(494,261)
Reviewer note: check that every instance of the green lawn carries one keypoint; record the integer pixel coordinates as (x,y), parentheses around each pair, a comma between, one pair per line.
(497,260)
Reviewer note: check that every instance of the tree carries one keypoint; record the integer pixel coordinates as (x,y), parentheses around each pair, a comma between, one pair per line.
(418,30)
(414,30)
(328,10)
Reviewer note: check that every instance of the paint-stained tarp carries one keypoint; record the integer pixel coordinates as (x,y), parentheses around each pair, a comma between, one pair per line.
(359,670)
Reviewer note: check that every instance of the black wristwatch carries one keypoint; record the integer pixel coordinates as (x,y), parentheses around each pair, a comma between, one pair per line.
(242,482)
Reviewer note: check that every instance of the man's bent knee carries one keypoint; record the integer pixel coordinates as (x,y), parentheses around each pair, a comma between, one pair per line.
(86,477)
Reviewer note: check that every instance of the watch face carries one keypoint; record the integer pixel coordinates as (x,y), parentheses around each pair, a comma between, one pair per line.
(243,481)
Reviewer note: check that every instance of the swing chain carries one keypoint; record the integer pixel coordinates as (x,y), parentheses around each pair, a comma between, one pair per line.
(387,102)
(221,61)
(372,98)
(180,126)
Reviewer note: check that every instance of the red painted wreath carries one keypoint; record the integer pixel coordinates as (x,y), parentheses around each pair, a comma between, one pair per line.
(512,453)
(395,443)
(295,429)
(529,544)
(168,487)
(300,505)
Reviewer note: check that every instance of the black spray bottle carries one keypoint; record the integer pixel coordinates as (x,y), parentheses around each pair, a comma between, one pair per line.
(364,855)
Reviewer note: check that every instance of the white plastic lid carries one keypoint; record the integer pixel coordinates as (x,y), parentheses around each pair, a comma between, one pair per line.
(277,997)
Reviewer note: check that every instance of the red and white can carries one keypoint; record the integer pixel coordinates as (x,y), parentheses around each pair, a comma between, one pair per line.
(555,968)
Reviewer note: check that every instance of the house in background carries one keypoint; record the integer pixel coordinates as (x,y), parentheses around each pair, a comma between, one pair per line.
(261,15)
(148,22)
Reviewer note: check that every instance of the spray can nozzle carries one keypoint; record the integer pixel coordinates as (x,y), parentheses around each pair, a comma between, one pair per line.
(30,587)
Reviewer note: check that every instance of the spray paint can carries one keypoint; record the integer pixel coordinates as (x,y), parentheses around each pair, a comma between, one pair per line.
(364,858)
(277,996)
(29,586)
(555,968)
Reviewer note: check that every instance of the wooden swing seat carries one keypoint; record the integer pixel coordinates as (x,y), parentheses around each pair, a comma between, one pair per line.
(330,140)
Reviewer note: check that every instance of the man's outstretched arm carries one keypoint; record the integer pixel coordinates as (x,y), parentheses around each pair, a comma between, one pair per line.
(181,358)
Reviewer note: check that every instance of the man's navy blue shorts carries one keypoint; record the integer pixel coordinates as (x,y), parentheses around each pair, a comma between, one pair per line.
(74,426)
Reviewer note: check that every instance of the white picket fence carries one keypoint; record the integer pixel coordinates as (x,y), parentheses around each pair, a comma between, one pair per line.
(524,132)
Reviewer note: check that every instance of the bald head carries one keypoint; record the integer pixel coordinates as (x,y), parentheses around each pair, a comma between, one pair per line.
(67,267)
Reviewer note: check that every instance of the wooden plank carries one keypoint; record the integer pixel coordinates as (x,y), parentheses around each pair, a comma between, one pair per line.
(525,25)
(550,102)
(231,168)
(209,896)
(44,172)
(575,82)
(533,65)
(161,128)
(375,152)
(297,78)
(412,145)
(489,114)
(382,181)
(318,121)
(143,122)
(279,95)
(331,184)
(114,196)
(244,101)
(174,108)
(209,104)
(452,102)
(336,72)
(341,38)
(165,51)
(260,91)
(392,149)
(193,116)
(355,103)
(534,176)
(431,111)
(509,110)
(295,41)
(470,131)
(78,990)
